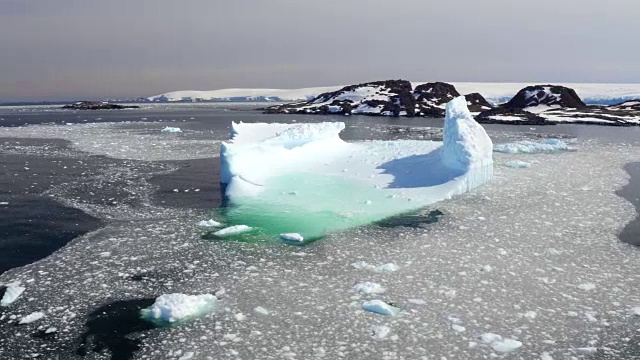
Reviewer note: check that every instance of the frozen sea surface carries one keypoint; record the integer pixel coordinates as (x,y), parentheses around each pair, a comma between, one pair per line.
(522,244)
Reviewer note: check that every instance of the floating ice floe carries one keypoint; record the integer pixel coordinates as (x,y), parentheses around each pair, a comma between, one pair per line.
(169,129)
(379,332)
(172,308)
(369,288)
(385,268)
(232,230)
(260,310)
(294,238)
(209,223)
(263,164)
(379,307)
(532,147)
(587,286)
(34,316)
(517,164)
(635,311)
(498,344)
(11,294)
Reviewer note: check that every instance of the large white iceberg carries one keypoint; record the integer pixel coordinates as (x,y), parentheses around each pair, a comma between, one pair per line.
(302,178)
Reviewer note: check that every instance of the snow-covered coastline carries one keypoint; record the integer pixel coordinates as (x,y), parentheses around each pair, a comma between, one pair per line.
(496,92)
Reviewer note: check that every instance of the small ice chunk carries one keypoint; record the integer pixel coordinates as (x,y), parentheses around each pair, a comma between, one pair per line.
(232,230)
(51,330)
(489,338)
(379,307)
(209,223)
(530,315)
(369,288)
(13,291)
(34,316)
(260,310)
(635,311)
(505,346)
(587,350)
(587,286)
(417,301)
(545,356)
(240,316)
(379,332)
(179,307)
(4,203)
(517,164)
(187,356)
(292,237)
(458,328)
(386,268)
(169,129)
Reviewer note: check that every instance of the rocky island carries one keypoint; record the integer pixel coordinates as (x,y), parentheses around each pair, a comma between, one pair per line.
(532,105)
(97,105)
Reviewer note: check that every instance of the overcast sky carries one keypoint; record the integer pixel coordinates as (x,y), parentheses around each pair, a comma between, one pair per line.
(72,49)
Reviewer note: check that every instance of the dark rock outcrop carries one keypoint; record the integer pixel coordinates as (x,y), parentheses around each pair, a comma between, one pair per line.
(511,116)
(384,98)
(431,98)
(92,105)
(563,105)
(389,98)
(550,95)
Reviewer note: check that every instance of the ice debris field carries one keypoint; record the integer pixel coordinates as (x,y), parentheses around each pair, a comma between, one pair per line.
(302,179)
(527,266)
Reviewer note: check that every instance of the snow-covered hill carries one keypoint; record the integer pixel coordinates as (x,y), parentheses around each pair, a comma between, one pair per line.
(279,95)
(493,92)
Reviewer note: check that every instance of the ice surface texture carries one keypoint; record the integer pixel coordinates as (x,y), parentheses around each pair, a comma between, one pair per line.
(302,178)
(532,147)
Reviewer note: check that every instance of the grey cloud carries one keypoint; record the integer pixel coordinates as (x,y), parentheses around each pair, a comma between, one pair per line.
(93,49)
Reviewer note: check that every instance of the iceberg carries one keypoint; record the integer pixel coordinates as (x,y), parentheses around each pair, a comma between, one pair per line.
(303,178)
(170,309)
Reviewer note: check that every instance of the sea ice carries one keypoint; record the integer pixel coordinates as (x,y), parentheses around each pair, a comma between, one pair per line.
(34,316)
(172,308)
(532,147)
(369,288)
(169,129)
(12,292)
(232,230)
(209,223)
(379,307)
(264,164)
(635,310)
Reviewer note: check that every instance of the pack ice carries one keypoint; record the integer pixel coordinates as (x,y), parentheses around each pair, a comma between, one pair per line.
(302,178)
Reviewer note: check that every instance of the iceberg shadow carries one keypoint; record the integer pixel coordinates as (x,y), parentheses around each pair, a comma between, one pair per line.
(418,171)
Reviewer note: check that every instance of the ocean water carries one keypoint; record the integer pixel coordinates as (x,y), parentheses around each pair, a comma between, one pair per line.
(535,255)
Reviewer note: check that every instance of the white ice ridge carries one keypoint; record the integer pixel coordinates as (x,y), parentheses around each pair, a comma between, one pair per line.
(302,178)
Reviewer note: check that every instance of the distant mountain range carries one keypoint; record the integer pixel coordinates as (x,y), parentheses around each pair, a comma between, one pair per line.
(496,93)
